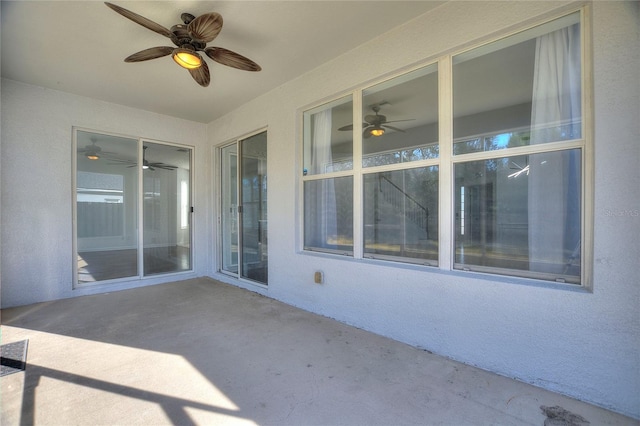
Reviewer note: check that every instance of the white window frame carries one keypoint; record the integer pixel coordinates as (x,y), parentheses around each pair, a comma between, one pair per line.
(447,161)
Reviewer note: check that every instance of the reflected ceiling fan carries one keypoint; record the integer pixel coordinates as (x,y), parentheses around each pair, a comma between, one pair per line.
(190,38)
(147,165)
(93,151)
(375,125)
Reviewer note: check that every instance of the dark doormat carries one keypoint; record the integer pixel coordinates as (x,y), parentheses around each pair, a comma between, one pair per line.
(13,357)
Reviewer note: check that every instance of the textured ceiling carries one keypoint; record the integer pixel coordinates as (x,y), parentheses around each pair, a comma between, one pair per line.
(79,47)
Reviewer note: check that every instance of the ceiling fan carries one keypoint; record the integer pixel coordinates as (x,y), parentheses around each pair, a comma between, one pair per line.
(375,125)
(93,151)
(190,38)
(146,165)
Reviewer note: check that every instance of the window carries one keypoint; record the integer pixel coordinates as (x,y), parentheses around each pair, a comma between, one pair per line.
(502,150)
(401,215)
(396,171)
(522,197)
(328,207)
(328,171)
(522,215)
(400,171)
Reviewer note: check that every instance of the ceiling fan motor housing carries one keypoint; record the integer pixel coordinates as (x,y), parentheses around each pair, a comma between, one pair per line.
(181,38)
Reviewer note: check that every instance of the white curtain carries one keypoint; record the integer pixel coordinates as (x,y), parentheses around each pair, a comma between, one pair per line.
(556,109)
(320,208)
(554,177)
(321,142)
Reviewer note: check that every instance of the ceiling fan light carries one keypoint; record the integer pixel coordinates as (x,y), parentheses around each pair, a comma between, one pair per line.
(186,58)
(377,131)
(92,156)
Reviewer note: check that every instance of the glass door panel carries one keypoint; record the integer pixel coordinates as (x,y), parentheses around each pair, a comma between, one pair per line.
(106,207)
(254,208)
(166,208)
(243,216)
(229,206)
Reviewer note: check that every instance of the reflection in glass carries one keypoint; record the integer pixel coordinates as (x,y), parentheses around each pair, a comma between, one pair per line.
(106,208)
(107,199)
(167,233)
(520,213)
(401,214)
(328,138)
(229,209)
(401,119)
(522,90)
(244,226)
(254,208)
(328,214)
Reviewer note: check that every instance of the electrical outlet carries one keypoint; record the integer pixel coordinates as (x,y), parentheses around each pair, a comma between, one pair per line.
(318,277)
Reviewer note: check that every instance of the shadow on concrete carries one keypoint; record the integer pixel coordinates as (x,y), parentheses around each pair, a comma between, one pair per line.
(173,407)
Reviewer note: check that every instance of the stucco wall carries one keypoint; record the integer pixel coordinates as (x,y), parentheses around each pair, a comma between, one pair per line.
(585,344)
(36,225)
(580,343)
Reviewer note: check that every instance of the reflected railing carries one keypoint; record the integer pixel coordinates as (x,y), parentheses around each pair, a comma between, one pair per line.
(399,199)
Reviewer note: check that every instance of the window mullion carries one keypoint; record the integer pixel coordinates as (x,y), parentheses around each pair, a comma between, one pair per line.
(446,184)
(358,237)
(521,150)
(588,152)
(140,218)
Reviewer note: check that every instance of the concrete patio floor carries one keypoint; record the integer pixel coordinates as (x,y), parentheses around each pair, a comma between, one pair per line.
(202,352)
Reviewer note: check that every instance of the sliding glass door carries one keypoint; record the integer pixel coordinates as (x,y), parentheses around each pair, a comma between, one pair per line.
(244,225)
(167,208)
(229,209)
(132,208)
(106,208)
(253,215)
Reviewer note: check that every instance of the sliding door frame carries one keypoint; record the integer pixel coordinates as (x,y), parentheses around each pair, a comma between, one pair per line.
(220,161)
(139,209)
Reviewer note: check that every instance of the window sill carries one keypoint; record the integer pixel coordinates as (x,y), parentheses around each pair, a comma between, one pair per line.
(466,275)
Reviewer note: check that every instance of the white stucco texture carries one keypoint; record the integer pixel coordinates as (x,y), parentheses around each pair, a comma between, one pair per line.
(578,342)
(581,343)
